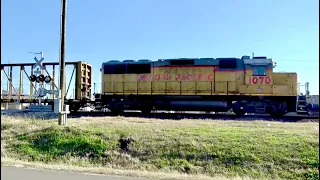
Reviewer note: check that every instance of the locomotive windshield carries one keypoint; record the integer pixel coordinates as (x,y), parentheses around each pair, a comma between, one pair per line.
(259,70)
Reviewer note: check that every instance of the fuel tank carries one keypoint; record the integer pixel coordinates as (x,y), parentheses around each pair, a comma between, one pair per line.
(221,106)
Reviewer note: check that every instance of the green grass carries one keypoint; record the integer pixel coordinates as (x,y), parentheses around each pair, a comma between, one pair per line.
(195,147)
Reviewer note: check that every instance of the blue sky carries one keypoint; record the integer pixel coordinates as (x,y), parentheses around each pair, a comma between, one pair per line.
(100,30)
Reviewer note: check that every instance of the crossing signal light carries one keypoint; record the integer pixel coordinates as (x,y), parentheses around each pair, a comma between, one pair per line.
(33,78)
(47,79)
(41,78)
(38,80)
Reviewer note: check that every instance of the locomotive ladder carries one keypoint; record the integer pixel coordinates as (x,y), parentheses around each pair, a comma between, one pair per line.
(302,105)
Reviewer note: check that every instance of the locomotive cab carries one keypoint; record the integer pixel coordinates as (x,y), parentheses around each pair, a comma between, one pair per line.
(267,91)
(258,72)
(257,84)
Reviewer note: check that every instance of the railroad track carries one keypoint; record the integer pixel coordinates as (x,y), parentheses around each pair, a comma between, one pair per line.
(180,116)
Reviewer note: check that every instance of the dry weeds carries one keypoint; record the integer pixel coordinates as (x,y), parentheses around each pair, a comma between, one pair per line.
(202,136)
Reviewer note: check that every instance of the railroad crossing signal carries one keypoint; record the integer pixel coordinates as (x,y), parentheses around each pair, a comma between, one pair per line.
(38,62)
(33,78)
(42,92)
(37,71)
(40,78)
(47,79)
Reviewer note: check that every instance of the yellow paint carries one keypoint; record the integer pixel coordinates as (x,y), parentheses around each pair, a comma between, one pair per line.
(290,79)
(198,81)
(282,90)
(226,76)
(255,89)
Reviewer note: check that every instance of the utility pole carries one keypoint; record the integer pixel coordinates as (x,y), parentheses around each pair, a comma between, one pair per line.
(8,82)
(62,64)
(307,89)
(94,88)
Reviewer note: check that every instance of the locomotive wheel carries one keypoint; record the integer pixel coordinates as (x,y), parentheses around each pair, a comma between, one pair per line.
(276,115)
(278,110)
(237,109)
(116,109)
(145,111)
(74,107)
(240,112)
(116,112)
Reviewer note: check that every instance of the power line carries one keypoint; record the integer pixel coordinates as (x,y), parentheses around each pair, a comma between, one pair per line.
(294,60)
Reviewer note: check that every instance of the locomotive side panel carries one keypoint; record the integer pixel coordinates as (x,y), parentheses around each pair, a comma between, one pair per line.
(105,82)
(130,85)
(228,76)
(119,79)
(285,84)
(179,80)
(225,82)
(240,80)
(254,90)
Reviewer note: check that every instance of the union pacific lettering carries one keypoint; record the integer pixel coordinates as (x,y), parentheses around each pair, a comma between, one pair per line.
(176,77)
(153,77)
(194,77)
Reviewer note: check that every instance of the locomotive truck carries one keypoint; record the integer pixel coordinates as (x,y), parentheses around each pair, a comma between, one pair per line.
(243,85)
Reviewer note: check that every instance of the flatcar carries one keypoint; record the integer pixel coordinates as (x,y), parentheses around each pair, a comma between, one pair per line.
(242,85)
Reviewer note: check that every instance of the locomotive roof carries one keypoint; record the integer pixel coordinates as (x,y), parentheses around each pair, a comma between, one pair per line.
(246,60)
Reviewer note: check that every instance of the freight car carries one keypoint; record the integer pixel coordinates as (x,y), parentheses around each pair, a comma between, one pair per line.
(243,85)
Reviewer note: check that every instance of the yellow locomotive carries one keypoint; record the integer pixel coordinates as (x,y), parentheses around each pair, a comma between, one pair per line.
(245,85)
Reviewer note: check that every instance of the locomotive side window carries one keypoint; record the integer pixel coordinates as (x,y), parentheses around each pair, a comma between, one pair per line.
(227,63)
(181,62)
(127,68)
(138,69)
(259,70)
(114,69)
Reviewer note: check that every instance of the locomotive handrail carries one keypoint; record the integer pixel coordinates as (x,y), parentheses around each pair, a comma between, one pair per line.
(138,90)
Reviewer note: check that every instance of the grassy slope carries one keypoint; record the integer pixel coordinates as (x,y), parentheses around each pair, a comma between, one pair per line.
(207,148)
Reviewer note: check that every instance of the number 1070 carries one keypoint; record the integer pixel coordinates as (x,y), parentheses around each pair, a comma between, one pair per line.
(259,80)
